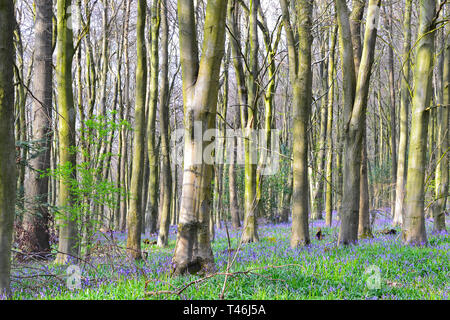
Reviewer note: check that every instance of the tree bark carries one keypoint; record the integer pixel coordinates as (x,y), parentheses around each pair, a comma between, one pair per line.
(355,104)
(36,216)
(68,238)
(134,215)
(414,225)
(7,143)
(166,174)
(193,251)
(404,111)
(440,206)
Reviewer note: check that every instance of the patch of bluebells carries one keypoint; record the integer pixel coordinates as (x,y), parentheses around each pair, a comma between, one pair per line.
(322,270)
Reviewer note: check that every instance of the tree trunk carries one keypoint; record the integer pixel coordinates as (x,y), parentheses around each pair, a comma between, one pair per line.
(301,81)
(404,111)
(134,215)
(151,130)
(7,143)
(250,233)
(329,157)
(440,206)
(355,104)
(166,174)
(193,251)
(414,225)
(68,238)
(36,216)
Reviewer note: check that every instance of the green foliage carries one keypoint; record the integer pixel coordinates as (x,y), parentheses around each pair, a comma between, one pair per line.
(90,190)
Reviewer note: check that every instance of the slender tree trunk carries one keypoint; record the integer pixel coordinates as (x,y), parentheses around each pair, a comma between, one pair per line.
(440,206)
(68,239)
(36,216)
(134,215)
(329,157)
(166,174)
(234,209)
(404,111)
(241,113)
(414,225)
(7,144)
(393,125)
(151,130)
(250,233)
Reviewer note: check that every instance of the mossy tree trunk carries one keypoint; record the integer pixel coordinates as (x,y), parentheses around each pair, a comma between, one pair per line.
(152,212)
(68,238)
(134,215)
(7,143)
(414,225)
(301,81)
(355,104)
(166,174)
(441,194)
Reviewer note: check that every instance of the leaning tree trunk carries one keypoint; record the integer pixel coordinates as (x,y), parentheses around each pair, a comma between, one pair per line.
(193,251)
(36,215)
(134,215)
(414,225)
(404,107)
(7,149)
(68,241)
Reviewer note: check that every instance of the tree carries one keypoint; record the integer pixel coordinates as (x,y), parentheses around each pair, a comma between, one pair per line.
(200,90)
(404,111)
(442,167)
(329,157)
(300,75)
(355,104)
(36,216)
(134,215)
(151,130)
(414,225)
(7,143)
(166,174)
(68,241)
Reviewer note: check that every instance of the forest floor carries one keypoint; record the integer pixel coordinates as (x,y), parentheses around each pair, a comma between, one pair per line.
(268,269)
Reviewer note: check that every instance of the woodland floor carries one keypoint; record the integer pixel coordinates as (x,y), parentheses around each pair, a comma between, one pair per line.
(268,269)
